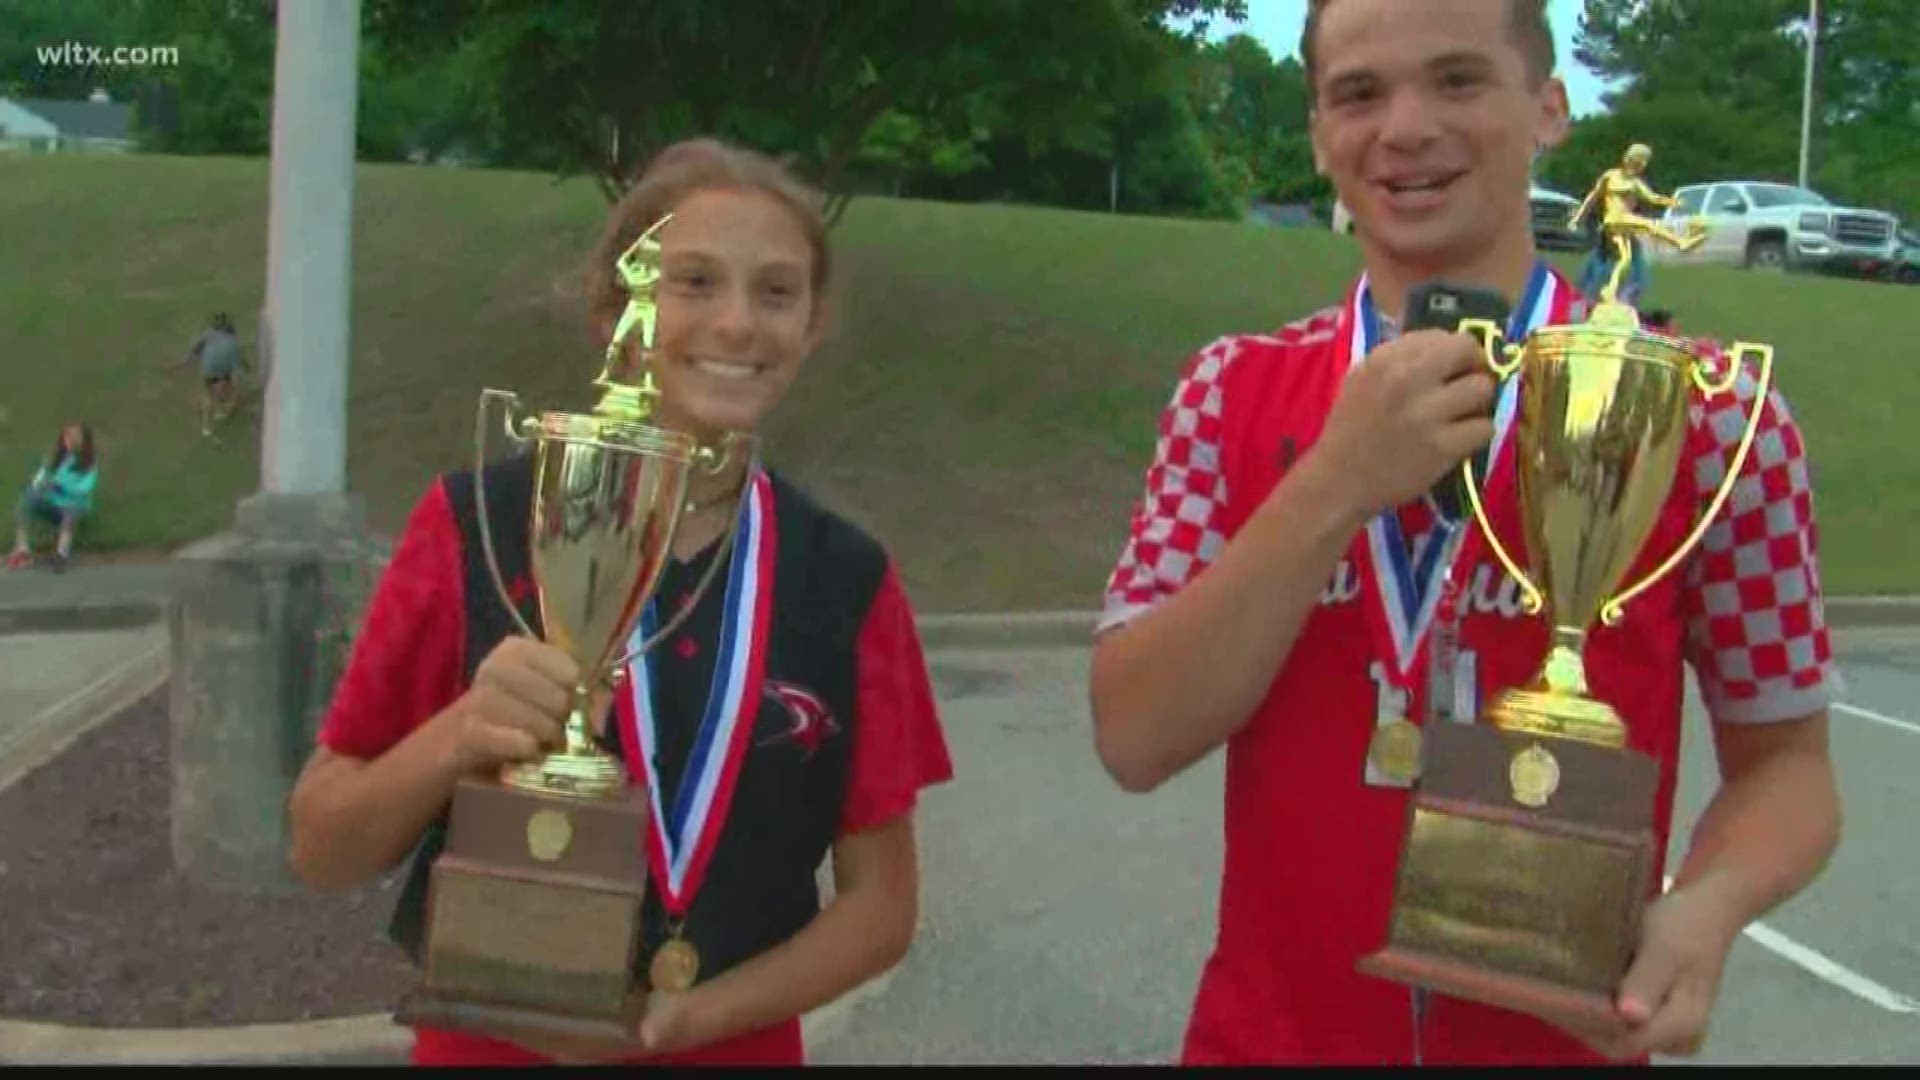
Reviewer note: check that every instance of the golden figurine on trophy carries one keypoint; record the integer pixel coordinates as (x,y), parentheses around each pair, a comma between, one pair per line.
(1530,842)
(1621,191)
(533,915)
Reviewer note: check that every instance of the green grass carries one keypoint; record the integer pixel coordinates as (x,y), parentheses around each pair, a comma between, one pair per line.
(985,405)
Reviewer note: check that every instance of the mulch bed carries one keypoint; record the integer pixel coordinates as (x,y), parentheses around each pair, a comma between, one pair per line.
(98,929)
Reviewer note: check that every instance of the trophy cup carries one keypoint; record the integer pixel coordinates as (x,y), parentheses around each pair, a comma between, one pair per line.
(533,910)
(1531,836)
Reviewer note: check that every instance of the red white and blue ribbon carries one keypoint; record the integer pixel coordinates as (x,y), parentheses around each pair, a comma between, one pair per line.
(682,834)
(1404,584)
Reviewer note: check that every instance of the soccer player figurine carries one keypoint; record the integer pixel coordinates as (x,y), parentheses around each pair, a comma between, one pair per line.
(1620,191)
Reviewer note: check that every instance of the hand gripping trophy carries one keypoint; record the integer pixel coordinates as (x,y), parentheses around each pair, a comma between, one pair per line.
(1620,191)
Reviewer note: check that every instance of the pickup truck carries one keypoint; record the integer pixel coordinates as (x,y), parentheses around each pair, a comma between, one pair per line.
(1767,226)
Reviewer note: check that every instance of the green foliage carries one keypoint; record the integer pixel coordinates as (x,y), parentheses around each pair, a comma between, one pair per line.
(1716,87)
(582,86)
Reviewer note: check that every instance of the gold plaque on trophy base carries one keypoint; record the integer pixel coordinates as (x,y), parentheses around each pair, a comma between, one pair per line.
(525,938)
(1531,908)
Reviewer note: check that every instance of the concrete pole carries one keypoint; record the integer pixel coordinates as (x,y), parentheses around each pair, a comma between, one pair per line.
(1806,91)
(263,615)
(310,237)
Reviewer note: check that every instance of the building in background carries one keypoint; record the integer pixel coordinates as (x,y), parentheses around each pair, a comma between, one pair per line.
(39,125)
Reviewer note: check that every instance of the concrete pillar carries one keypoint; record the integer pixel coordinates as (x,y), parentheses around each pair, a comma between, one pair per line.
(265,613)
(311,241)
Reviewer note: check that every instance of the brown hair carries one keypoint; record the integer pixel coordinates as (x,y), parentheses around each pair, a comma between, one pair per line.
(676,172)
(1526,23)
(85,456)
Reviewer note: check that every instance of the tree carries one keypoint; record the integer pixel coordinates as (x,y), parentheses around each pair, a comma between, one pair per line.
(582,86)
(27,27)
(1744,53)
(1255,112)
(1716,87)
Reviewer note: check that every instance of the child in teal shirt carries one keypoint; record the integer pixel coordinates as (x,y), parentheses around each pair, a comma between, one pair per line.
(61,494)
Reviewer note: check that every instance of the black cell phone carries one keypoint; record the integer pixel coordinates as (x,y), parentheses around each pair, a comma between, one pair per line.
(1438,305)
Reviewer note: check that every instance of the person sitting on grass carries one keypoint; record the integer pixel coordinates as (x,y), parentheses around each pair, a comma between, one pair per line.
(61,494)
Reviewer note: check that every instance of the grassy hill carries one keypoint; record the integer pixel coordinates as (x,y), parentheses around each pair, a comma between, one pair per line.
(985,405)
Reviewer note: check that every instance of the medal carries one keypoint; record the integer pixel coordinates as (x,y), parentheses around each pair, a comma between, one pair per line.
(1401,581)
(682,833)
(1395,750)
(675,967)
(1534,774)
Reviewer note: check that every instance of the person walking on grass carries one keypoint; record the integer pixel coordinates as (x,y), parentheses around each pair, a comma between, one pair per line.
(221,359)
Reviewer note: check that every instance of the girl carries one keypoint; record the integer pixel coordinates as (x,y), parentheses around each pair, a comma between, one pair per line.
(844,728)
(61,494)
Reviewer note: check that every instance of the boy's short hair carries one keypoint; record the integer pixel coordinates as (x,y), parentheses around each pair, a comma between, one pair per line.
(1526,21)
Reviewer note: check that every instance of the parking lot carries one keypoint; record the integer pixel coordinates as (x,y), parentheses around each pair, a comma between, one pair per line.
(1065,922)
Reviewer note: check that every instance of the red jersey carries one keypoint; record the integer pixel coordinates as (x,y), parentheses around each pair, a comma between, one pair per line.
(1312,847)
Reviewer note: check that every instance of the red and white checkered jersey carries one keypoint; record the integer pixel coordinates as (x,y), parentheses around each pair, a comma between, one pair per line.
(1756,634)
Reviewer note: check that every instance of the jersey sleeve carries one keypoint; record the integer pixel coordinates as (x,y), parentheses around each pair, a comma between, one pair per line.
(408,659)
(1756,628)
(898,747)
(1177,526)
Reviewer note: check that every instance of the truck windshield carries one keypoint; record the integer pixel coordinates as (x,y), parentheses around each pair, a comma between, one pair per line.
(1768,196)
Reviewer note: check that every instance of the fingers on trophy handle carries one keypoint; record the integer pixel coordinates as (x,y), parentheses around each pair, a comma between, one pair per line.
(1614,610)
(521,438)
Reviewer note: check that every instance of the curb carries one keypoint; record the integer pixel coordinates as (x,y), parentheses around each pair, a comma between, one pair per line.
(984,630)
(960,630)
(1007,630)
(1845,612)
(368,1039)
(42,738)
(103,615)
(371,1039)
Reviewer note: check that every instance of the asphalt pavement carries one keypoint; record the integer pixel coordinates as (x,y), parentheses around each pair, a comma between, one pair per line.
(1065,921)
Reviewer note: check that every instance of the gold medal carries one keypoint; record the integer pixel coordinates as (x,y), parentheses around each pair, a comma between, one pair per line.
(549,832)
(1395,750)
(1535,775)
(675,967)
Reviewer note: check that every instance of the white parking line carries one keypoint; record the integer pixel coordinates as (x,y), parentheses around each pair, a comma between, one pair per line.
(1830,971)
(1879,718)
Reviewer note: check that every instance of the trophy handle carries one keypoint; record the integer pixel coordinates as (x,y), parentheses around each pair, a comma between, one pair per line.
(1502,356)
(710,461)
(1612,610)
(1505,361)
(520,436)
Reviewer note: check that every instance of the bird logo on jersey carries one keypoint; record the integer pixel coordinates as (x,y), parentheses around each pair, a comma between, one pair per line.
(807,720)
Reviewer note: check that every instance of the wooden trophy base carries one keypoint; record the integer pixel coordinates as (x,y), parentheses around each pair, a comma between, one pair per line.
(1533,908)
(533,916)
(423,1008)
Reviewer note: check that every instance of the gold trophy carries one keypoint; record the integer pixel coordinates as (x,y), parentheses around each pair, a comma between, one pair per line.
(533,917)
(1531,836)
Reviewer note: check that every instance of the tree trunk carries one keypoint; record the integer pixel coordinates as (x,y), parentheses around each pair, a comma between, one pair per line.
(837,207)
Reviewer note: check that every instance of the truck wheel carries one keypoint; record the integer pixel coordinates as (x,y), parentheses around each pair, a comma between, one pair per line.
(1770,255)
